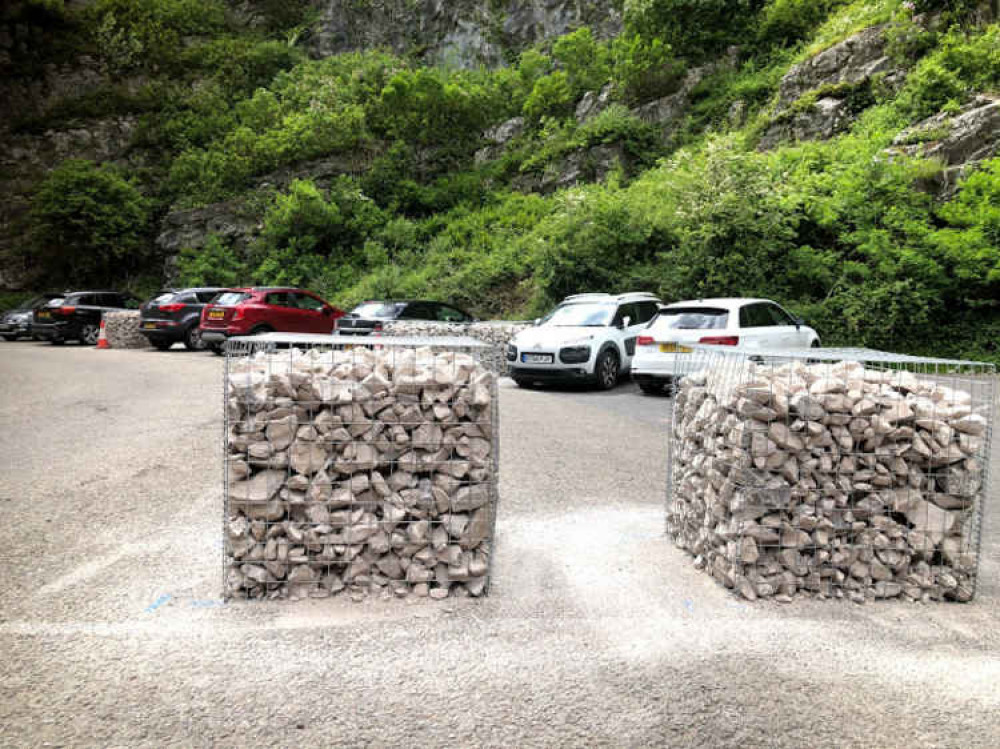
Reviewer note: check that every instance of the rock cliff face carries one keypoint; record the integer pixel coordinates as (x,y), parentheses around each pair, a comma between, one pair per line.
(959,141)
(835,77)
(463,33)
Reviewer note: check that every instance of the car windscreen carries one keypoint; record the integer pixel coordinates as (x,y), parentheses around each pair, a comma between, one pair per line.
(229,298)
(582,315)
(377,309)
(691,318)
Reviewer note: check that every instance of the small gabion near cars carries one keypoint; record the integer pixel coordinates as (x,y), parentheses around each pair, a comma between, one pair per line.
(76,315)
(749,323)
(252,311)
(174,316)
(15,323)
(369,317)
(587,338)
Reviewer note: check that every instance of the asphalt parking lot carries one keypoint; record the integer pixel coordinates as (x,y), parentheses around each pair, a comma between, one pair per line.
(598,631)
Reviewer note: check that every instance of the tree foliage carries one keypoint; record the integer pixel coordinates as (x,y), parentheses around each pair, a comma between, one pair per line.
(90,224)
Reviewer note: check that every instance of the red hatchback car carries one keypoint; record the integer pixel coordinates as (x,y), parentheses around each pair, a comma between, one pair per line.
(264,310)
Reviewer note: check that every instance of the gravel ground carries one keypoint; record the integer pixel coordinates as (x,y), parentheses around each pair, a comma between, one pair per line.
(598,632)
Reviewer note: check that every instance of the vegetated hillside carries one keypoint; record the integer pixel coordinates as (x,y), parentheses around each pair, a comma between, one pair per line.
(839,156)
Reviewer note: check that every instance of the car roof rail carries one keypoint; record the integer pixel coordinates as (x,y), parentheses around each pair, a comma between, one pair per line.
(592,295)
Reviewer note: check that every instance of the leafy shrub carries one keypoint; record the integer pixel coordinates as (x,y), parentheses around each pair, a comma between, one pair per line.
(788,22)
(551,96)
(214,264)
(645,68)
(695,29)
(130,34)
(89,224)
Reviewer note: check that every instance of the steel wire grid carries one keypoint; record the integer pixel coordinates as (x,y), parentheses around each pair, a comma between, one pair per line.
(835,472)
(358,465)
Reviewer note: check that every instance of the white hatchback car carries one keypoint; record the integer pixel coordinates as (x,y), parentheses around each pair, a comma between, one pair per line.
(748,323)
(587,338)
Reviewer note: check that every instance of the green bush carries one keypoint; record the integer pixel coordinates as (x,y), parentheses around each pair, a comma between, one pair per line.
(695,29)
(551,96)
(89,224)
(645,68)
(788,22)
(214,264)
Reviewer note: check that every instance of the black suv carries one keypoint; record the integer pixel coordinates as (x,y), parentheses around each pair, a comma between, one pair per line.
(368,317)
(76,315)
(173,315)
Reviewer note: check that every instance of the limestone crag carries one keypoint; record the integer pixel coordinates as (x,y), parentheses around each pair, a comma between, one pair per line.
(830,480)
(959,141)
(464,33)
(361,470)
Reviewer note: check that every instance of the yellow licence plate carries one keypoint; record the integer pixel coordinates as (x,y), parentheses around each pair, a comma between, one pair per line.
(673,348)
(44,315)
(216,314)
(150,326)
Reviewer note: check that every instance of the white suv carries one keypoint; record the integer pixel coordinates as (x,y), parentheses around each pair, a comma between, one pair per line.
(587,338)
(758,324)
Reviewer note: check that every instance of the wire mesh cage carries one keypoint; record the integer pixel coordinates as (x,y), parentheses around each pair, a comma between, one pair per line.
(846,473)
(358,465)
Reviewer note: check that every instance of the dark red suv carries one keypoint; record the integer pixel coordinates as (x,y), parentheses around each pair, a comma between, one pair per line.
(264,310)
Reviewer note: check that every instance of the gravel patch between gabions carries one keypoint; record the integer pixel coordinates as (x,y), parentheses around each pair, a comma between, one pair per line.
(597,630)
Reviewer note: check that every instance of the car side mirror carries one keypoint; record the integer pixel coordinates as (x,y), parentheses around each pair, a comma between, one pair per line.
(327,311)
(538,321)
(799,322)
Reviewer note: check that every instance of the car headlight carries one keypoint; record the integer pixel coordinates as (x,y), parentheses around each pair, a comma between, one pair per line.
(574,354)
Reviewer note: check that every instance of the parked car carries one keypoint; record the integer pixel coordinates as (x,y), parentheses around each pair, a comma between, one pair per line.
(587,338)
(369,317)
(76,315)
(15,323)
(265,310)
(750,323)
(174,316)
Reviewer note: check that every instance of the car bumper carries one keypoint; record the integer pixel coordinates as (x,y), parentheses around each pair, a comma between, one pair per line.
(568,373)
(213,337)
(165,330)
(662,366)
(53,331)
(15,329)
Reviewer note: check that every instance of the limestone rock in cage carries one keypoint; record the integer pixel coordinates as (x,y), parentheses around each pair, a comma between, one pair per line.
(796,475)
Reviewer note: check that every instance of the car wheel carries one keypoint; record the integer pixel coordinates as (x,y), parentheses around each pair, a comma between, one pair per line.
(89,334)
(192,339)
(814,344)
(9,337)
(58,341)
(523,383)
(607,369)
(162,345)
(261,329)
(217,349)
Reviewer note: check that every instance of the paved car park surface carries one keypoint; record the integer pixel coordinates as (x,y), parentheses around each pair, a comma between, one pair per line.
(598,631)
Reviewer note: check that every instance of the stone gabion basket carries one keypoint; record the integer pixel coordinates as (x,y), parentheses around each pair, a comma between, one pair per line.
(836,473)
(495,334)
(359,467)
(122,330)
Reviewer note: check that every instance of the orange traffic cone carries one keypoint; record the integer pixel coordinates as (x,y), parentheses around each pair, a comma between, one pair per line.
(102,340)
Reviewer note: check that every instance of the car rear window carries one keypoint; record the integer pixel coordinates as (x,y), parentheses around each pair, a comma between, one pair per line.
(691,318)
(56,301)
(163,296)
(377,309)
(229,298)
